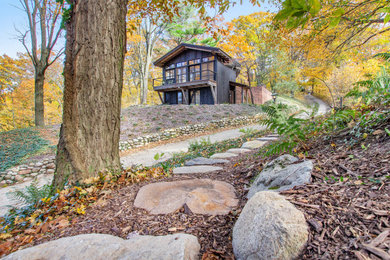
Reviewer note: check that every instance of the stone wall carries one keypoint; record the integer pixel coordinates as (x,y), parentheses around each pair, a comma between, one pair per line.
(187,130)
(27,172)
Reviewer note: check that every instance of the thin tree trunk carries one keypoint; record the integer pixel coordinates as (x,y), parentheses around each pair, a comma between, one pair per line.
(38,97)
(95,48)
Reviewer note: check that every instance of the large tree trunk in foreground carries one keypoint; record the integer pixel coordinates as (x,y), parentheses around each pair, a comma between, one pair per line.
(38,97)
(89,136)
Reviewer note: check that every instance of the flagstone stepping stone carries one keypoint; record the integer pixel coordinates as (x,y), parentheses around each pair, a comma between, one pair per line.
(267,138)
(204,161)
(103,246)
(223,155)
(196,169)
(238,150)
(202,196)
(255,144)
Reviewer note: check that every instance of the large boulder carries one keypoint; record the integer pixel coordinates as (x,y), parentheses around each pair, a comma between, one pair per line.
(101,246)
(269,227)
(283,173)
(202,196)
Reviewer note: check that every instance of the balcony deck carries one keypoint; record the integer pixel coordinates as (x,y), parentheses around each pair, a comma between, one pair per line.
(186,85)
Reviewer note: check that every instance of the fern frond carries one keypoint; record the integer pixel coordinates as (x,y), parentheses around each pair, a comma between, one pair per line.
(31,194)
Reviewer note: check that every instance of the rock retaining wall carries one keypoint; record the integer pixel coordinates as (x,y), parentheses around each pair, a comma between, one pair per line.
(187,130)
(25,172)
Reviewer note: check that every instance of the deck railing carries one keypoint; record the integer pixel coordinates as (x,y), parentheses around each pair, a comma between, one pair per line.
(188,77)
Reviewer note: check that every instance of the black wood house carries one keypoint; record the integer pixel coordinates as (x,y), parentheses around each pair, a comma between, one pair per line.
(193,74)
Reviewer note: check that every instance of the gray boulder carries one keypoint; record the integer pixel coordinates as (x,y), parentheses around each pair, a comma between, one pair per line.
(283,173)
(269,227)
(100,246)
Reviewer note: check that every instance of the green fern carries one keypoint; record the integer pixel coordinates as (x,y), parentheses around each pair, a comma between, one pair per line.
(31,194)
(383,55)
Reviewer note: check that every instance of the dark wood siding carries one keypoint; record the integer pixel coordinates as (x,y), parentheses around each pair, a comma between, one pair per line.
(224,75)
(170,97)
(206,97)
(186,56)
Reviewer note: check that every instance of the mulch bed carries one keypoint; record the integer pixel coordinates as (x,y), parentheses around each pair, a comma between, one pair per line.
(349,214)
(347,205)
(115,214)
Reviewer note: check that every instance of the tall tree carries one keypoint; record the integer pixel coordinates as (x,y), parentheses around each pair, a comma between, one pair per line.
(44,18)
(95,48)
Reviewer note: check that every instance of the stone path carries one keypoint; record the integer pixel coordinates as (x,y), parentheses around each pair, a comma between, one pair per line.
(201,196)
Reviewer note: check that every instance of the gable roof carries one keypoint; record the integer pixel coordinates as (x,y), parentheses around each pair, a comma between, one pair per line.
(229,61)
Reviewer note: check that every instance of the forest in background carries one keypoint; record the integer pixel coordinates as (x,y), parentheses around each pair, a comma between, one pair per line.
(327,61)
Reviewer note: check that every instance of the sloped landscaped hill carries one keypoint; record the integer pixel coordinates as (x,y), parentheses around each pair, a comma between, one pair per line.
(39,143)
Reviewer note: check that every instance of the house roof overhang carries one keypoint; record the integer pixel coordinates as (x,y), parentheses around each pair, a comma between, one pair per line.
(229,61)
(238,84)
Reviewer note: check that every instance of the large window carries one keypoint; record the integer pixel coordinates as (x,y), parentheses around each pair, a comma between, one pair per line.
(207,59)
(181,75)
(170,76)
(192,62)
(208,71)
(194,72)
(181,64)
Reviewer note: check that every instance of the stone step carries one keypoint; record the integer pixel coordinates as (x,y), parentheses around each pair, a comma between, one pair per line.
(267,138)
(196,169)
(238,150)
(255,144)
(204,161)
(223,155)
(202,196)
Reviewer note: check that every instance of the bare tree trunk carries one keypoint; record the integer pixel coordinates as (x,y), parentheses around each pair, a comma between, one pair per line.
(38,96)
(95,48)
(47,16)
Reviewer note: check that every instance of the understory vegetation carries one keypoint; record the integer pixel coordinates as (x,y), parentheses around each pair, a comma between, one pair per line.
(369,111)
(15,145)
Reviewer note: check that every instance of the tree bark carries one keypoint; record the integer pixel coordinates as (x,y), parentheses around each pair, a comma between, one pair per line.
(95,48)
(38,96)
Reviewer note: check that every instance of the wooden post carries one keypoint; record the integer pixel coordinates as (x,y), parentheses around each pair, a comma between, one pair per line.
(159,94)
(184,96)
(214,95)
